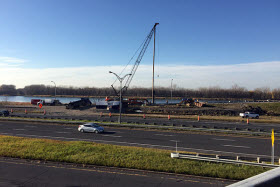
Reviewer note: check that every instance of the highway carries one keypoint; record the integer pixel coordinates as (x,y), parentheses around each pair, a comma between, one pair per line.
(230,145)
(17,172)
(259,127)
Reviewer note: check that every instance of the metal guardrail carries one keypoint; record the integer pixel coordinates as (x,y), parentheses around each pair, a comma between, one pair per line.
(220,160)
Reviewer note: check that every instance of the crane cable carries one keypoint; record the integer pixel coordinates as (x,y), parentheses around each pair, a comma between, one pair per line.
(158,54)
(131,59)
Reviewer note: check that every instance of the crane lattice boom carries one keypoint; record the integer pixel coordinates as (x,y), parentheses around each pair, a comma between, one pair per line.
(138,60)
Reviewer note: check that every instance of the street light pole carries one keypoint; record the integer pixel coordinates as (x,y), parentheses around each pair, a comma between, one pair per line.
(120,79)
(54,90)
(171,88)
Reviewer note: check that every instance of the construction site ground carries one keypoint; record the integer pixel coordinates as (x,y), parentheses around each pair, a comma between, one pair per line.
(171,109)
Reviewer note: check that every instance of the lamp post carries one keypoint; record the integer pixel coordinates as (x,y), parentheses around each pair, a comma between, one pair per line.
(171,88)
(120,79)
(54,90)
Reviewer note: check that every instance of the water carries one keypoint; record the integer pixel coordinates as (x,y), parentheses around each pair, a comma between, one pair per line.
(63,100)
(66,100)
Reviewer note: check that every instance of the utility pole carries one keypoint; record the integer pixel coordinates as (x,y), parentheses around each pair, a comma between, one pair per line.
(171,88)
(120,79)
(153,95)
(54,89)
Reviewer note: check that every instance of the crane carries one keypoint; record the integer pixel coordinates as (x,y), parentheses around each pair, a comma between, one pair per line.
(138,60)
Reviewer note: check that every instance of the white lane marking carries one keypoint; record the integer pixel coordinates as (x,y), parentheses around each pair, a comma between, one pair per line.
(19,129)
(113,136)
(62,132)
(31,126)
(239,146)
(69,128)
(5,133)
(223,139)
(164,135)
(130,143)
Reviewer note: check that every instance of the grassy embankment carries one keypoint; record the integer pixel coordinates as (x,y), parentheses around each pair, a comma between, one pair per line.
(118,156)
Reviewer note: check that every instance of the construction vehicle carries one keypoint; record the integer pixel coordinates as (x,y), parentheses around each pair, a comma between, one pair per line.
(191,102)
(144,45)
(49,102)
(137,62)
(84,102)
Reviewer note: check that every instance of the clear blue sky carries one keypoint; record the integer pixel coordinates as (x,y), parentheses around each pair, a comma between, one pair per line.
(75,33)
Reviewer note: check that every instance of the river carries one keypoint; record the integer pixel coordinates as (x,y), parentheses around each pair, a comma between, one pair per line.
(66,100)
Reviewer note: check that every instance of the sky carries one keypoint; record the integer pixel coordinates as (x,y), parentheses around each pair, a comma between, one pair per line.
(199,43)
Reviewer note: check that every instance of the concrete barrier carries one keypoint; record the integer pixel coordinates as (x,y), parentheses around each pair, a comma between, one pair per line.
(269,178)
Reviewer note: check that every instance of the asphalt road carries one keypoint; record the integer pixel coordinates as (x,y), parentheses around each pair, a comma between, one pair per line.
(187,141)
(259,127)
(16,172)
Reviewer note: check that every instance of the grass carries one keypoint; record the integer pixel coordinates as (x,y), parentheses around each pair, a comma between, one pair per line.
(118,156)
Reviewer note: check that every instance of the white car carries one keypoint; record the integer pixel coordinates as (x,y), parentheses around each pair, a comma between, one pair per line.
(90,127)
(249,115)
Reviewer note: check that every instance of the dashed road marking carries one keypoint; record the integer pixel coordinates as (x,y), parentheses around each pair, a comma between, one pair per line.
(113,136)
(164,135)
(239,146)
(19,129)
(223,139)
(63,132)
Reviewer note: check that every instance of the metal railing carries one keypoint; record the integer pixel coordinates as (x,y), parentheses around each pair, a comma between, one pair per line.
(220,160)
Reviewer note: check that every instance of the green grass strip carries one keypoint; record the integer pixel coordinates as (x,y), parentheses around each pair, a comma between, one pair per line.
(118,156)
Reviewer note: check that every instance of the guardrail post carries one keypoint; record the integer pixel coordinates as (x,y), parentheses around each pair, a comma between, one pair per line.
(279,161)
(101,114)
(110,115)
(25,111)
(144,116)
(11,110)
(258,159)
(198,118)
(175,155)
(168,116)
(197,154)
(237,158)
(44,112)
(247,120)
(217,156)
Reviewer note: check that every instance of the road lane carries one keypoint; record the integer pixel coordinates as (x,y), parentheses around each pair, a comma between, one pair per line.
(187,141)
(242,125)
(17,172)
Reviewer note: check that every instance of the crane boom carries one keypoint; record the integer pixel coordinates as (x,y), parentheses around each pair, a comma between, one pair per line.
(138,60)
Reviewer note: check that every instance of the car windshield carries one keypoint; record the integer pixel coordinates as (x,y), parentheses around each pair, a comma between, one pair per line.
(94,125)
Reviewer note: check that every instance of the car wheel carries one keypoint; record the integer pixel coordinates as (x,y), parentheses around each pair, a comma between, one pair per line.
(82,130)
(96,132)
(257,117)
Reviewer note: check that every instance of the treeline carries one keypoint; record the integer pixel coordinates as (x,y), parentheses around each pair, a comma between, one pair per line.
(211,92)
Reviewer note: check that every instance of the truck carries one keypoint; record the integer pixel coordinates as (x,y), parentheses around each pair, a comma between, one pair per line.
(84,102)
(249,115)
(50,102)
(35,101)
